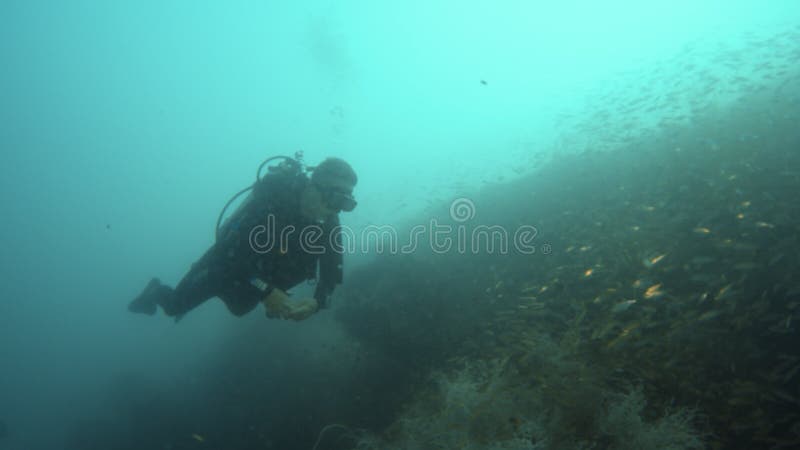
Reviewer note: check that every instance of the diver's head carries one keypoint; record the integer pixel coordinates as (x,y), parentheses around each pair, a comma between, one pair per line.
(331,189)
(335,180)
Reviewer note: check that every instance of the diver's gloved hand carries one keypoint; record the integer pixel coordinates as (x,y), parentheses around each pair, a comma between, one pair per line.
(277,304)
(303,308)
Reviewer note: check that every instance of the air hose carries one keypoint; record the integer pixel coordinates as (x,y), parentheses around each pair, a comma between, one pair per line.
(297,161)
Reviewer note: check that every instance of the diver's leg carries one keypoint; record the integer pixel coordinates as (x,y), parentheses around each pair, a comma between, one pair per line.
(241,298)
(204,280)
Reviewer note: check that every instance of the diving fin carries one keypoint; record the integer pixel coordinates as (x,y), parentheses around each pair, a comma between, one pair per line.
(147,301)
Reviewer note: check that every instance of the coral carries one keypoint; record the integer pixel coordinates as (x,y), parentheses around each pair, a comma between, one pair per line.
(471,409)
(628,430)
(553,404)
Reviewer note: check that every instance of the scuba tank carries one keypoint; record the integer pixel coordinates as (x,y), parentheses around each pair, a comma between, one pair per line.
(289,164)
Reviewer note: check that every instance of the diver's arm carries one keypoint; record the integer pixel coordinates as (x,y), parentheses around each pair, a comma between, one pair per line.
(322,294)
(330,267)
(278,305)
(275,300)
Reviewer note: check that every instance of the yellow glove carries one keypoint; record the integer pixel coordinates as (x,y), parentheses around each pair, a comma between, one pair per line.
(302,309)
(277,304)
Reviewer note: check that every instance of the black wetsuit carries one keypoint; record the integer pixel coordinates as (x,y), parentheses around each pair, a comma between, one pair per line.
(239,265)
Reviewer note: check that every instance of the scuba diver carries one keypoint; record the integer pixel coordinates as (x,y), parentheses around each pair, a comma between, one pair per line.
(286,231)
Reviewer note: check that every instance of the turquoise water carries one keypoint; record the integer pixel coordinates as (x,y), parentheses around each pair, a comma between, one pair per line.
(126,126)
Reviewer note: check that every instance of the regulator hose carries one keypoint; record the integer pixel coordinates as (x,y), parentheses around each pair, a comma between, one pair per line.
(288,159)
